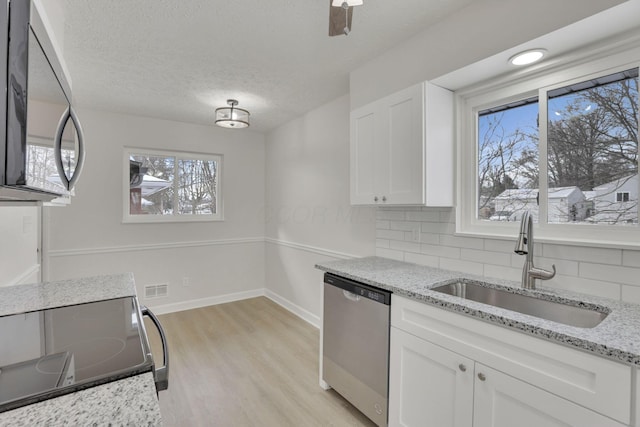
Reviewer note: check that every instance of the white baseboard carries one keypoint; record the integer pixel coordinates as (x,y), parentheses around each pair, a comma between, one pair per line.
(205,302)
(305,315)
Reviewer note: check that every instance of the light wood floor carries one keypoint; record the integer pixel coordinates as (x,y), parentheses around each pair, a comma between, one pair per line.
(246,363)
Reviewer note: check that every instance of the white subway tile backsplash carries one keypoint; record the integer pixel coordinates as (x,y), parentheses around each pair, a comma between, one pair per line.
(499,245)
(390,234)
(607,272)
(382,243)
(461,242)
(385,214)
(448,215)
(430,238)
(383,224)
(486,257)
(623,275)
(501,272)
(438,227)
(428,260)
(427,216)
(405,246)
(631,258)
(580,284)
(462,266)
(404,225)
(390,253)
(583,254)
(440,251)
(631,294)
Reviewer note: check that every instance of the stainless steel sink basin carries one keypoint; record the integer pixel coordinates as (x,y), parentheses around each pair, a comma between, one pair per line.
(558,312)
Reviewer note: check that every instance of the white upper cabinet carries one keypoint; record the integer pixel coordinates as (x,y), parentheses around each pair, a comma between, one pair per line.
(402,149)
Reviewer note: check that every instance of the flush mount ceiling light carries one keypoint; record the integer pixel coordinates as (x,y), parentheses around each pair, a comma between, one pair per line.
(527,57)
(232,117)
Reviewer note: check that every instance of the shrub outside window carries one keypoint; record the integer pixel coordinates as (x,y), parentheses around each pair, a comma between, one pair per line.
(164,186)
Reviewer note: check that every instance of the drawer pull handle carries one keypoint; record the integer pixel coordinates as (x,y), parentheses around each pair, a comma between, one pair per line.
(462,367)
(481,376)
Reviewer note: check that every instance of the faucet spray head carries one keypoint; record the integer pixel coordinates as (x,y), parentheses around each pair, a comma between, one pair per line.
(522,244)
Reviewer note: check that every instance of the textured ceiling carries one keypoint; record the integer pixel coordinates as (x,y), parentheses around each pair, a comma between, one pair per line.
(180,60)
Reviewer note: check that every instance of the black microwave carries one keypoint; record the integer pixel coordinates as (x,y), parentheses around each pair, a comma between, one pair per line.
(43,151)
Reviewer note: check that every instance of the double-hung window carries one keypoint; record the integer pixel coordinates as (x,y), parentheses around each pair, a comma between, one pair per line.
(563,146)
(166,186)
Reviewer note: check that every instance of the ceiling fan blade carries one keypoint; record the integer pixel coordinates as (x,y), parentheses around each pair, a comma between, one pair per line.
(339,20)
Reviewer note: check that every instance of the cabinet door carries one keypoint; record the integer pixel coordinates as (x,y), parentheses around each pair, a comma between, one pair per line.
(403,155)
(503,401)
(364,137)
(429,386)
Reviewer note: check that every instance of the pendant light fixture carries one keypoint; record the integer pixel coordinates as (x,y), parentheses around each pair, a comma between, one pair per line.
(232,117)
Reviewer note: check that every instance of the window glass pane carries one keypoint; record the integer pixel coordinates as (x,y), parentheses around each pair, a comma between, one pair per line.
(592,149)
(41,167)
(198,186)
(508,161)
(151,185)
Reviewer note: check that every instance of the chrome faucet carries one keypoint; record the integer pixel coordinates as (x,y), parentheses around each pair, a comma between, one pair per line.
(524,246)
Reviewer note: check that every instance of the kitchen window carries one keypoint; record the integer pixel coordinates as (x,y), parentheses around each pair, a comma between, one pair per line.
(563,146)
(166,186)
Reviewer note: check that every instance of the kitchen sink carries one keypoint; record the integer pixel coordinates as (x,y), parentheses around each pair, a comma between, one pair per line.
(580,317)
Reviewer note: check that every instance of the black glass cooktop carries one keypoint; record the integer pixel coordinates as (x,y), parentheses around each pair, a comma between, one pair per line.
(48,353)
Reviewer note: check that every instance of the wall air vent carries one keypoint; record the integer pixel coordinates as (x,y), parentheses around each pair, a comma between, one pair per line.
(155,291)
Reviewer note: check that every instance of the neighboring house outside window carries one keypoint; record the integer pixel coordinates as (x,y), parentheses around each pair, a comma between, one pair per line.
(165,186)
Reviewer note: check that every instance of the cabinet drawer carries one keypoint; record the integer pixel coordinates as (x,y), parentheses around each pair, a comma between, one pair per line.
(588,380)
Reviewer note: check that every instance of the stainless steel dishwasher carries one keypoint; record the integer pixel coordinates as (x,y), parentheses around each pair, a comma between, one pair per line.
(355,359)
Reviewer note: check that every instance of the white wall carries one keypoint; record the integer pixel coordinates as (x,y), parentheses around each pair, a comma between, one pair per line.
(309,218)
(482,29)
(219,258)
(612,273)
(19,243)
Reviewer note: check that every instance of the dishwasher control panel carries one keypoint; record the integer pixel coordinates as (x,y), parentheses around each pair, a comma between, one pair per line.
(365,291)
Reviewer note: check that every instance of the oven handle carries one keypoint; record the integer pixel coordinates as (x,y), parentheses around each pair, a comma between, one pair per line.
(161,374)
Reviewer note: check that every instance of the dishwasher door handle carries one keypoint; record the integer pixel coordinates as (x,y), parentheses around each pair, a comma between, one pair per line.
(351,296)
(161,374)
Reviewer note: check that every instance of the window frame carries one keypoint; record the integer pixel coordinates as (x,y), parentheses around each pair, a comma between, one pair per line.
(509,89)
(128,218)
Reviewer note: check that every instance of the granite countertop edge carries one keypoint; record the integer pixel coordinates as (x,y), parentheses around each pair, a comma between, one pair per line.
(616,338)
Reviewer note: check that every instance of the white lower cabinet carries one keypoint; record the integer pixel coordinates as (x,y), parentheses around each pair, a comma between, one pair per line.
(503,401)
(448,370)
(428,385)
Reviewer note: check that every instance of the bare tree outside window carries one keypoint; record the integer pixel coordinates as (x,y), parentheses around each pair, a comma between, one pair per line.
(172,186)
(42,171)
(592,155)
(593,145)
(507,160)
(197,189)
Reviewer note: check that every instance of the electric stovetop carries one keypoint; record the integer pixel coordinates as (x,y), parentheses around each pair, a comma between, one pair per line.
(51,352)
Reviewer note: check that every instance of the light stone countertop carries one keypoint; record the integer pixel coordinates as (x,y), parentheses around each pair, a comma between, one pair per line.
(38,296)
(616,338)
(127,402)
